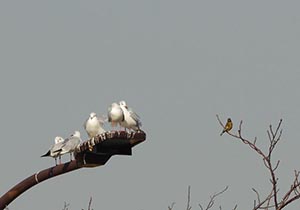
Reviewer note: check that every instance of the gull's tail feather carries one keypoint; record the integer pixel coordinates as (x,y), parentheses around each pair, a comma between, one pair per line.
(47,154)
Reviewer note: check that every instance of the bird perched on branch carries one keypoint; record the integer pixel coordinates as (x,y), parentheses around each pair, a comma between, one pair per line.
(227,127)
(93,125)
(55,149)
(131,119)
(115,114)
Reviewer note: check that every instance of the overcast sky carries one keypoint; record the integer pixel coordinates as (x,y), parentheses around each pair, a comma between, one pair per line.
(177,64)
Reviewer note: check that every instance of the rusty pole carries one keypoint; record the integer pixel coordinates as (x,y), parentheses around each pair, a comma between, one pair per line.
(36,178)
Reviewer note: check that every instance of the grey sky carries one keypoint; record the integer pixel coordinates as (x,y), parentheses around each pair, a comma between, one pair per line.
(177,64)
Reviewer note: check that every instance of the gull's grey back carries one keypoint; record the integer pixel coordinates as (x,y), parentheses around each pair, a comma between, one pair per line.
(135,117)
(70,144)
(57,147)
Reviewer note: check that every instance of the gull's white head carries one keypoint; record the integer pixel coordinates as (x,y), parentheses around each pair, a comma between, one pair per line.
(92,115)
(123,104)
(114,104)
(76,134)
(58,139)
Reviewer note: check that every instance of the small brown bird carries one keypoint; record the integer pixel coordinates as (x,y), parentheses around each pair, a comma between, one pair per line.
(227,127)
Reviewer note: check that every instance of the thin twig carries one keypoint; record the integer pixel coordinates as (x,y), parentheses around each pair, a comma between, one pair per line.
(286,200)
(188,207)
(260,203)
(66,205)
(212,199)
(90,204)
(172,206)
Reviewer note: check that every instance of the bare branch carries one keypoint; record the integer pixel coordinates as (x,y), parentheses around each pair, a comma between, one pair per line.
(254,142)
(274,136)
(245,141)
(259,204)
(269,135)
(172,206)
(66,205)
(294,189)
(276,166)
(278,127)
(257,195)
(90,204)
(212,199)
(188,207)
(200,206)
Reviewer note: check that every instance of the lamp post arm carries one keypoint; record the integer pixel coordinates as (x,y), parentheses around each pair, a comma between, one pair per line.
(36,178)
(91,153)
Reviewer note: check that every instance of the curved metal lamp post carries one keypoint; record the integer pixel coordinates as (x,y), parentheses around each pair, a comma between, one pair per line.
(91,153)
